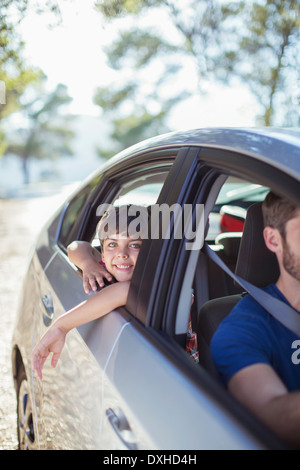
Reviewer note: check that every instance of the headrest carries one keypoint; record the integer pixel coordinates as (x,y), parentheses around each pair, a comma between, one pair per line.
(231,243)
(256,263)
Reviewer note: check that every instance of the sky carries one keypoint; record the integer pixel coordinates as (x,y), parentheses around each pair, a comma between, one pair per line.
(70,53)
(73,54)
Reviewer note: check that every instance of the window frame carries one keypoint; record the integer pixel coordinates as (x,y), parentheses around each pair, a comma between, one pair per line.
(161,313)
(104,187)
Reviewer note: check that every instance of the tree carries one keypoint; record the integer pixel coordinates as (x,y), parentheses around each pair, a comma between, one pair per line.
(255,42)
(267,58)
(46,132)
(16,74)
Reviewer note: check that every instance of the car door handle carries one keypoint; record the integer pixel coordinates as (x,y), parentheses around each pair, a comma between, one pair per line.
(48,312)
(120,425)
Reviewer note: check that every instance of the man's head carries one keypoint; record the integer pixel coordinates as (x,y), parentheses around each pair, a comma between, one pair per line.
(277,211)
(282,232)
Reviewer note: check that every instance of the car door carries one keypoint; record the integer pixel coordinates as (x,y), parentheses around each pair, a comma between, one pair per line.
(68,401)
(152,397)
(125,381)
(138,387)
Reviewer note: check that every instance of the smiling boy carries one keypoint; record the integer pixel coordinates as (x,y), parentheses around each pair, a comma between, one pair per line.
(119,253)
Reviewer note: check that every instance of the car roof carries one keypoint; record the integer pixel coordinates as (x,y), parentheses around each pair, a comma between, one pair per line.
(280,147)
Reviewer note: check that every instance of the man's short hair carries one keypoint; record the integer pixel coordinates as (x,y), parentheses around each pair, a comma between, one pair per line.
(277,211)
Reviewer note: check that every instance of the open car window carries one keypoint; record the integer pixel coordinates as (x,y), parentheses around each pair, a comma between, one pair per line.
(141,185)
(230,209)
(143,191)
(227,204)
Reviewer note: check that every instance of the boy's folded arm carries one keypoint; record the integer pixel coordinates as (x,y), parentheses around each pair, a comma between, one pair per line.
(78,251)
(87,258)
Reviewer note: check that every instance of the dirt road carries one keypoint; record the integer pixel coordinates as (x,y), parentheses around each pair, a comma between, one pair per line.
(20,222)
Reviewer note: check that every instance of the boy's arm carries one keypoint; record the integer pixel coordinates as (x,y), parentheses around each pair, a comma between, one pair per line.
(95,307)
(87,258)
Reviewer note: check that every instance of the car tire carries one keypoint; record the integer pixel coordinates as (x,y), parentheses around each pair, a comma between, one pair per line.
(26,435)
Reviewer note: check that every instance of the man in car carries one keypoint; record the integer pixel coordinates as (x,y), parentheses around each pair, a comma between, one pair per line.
(256,356)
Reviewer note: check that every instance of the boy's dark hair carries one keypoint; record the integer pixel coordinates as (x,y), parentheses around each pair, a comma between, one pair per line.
(277,211)
(130,220)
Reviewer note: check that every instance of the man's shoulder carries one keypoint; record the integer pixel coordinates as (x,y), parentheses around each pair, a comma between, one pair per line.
(247,316)
(248,305)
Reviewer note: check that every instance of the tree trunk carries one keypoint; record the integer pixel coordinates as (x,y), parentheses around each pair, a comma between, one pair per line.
(25,167)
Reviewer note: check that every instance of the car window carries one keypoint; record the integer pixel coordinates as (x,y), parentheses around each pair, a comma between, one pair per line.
(74,212)
(234,198)
(227,203)
(143,191)
(140,184)
(226,222)
(146,195)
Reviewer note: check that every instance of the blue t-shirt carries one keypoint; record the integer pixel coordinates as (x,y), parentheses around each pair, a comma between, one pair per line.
(250,335)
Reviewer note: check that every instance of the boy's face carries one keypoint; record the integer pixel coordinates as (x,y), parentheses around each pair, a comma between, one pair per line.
(119,253)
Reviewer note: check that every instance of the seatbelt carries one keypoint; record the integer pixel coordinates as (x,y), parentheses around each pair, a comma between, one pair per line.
(201,287)
(284,313)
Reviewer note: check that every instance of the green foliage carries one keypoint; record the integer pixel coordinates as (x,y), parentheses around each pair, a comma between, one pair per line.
(139,47)
(119,8)
(110,99)
(267,55)
(251,42)
(46,133)
(126,130)
(14,71)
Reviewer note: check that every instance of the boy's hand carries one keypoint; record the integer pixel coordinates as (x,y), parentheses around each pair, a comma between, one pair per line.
(94,273)
(53,341)
(88,259)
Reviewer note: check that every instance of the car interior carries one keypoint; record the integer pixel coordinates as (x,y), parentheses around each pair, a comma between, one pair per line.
(244,252)
(242,249)
(235,234)
(254,263)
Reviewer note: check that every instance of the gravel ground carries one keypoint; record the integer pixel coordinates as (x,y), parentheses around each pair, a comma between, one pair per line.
(20,222)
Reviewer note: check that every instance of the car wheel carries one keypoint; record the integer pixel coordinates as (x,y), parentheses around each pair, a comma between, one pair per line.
(24,414)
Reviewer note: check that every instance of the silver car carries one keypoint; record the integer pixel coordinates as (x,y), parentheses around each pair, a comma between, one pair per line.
(125,381)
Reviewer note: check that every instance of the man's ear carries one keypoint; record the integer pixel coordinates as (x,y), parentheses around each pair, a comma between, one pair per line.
(273,239)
